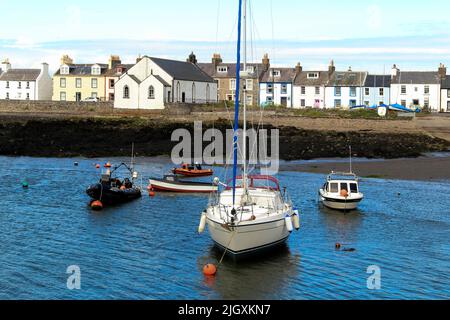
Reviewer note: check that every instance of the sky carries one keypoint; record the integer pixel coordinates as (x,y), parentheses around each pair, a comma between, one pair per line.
(367,35)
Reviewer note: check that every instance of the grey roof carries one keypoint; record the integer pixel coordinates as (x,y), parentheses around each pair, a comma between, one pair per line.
(113,72)
(162,81)
(180,70)
(287,75)
(446,83)
(302,79)
(83,69)
(417,77)
(211,70)
(20,75)
(347,79)
(378,81)
(134,78)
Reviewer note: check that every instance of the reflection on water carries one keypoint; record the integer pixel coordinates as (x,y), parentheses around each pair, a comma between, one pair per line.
(150,249)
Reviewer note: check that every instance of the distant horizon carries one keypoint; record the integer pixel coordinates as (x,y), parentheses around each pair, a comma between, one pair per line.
(367,37)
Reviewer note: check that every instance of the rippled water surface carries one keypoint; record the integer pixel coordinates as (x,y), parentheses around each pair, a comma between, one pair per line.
(149,249)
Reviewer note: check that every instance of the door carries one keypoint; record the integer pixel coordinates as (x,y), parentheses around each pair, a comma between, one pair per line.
(78,96)
(111,97)
(448,106)
(183,97)
(284,101)
(317,103)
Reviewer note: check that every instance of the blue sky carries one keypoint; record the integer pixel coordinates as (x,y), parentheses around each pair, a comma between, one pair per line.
(367,35)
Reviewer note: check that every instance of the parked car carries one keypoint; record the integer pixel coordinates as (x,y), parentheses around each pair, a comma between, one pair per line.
(92,99)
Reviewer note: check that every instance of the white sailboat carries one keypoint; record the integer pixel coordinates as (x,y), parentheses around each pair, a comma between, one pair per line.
(251,213)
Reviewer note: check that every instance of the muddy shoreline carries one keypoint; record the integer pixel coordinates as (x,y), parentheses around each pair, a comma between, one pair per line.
(112,137)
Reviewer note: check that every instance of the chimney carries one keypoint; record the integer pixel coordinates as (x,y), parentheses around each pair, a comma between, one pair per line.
(298,69)
(331,68)
(113,61)
(442,71)
(266,62)
(394,72)
(6,66)
(350,69)
(44,68)
(216,59)
(139,58)
(65,59)
(192,58)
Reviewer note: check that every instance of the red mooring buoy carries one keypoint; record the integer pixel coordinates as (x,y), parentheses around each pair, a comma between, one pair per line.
(209,270)
(97,205)
(152,193)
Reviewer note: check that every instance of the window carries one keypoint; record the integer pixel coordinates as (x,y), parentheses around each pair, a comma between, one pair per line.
(78,82)
(151,92)
(249,84)
(28,96)
(193,93)
(94,83)
(367,91)
(284,88)
(19,86)
(448,93)
(64,70)
(126,92)
(448,105)
(7,96)
(313,75)
(403,90)
(352,103)
(28,84)
(250,69)
(233,84)
(94,94)
(276,73)
(303,103)
(111,83)
(62,82)
(222,69)
(416,89)
(7,84)
(353,188)
(334,187)
(344,186)
(416,102)
(337,91)
(403,103)
(427,90)
(269,99)
(426,103)
(337,103)
(317,90)
(381,92)
(208,95)
(303,90)
(62,96)
(96,70)
(269,89)
(249,100)
(353,92)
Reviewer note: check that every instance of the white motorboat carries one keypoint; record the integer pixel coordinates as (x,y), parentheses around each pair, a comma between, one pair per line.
(173,184)
(341,191)
(251,213)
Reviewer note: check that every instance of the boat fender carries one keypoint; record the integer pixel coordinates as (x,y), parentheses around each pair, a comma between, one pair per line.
(97,205)
(289,225)
(296,221)
(201,227)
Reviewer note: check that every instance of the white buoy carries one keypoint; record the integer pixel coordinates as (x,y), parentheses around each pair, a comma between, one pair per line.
(202,226)
(296,220)
(289,224)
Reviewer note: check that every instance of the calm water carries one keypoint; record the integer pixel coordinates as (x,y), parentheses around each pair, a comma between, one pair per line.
(149,249)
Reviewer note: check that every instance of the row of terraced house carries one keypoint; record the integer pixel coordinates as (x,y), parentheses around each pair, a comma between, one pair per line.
(153,83)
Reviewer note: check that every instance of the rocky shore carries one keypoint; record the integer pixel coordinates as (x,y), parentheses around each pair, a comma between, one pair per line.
(102,136)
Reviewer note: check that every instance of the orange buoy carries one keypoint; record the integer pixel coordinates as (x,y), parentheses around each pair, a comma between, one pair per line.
(108,165)
(344,193)
(97,205)
(152,193)
(209,270)
(97,166)
(338,246)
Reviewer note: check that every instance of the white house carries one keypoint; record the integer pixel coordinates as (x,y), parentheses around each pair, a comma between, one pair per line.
(309,87)
(445,94)
(416,88)
(377,90)
(345,89)
(275,87)
(25,84)
(153,82)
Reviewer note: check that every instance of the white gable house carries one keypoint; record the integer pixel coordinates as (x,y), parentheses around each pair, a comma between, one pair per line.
(153,83)
(25,84)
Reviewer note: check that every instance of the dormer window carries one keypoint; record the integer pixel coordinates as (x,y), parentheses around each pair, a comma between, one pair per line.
(313,75)
(276,73)
(65,69)
(96,70)
(250,69)
(119,70)
(222,69)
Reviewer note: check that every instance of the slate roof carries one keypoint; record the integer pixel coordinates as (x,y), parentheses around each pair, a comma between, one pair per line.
(162,81)
(134,78)
(417,77)
(347,79)
(180,70)
(83,69)
(287,75)
(211,70)
(446,83)
(113,72)
(20,75)
(378,81)
(302,79)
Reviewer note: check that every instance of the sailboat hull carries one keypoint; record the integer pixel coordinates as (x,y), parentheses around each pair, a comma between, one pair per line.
(248,239)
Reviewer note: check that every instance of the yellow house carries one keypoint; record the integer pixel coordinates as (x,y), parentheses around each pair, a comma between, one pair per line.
(78,82)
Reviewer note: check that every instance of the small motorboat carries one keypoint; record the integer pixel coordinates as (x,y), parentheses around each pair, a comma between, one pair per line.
(170,183)
(192,171)
(341,191)
(111,190)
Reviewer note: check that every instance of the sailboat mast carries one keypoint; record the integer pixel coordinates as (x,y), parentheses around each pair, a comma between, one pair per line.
(244,156)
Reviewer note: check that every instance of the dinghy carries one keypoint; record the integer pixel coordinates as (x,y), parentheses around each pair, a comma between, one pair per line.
(172,184)
(192,171)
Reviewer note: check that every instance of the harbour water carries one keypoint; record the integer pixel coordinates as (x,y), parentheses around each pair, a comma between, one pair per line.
(150,249)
